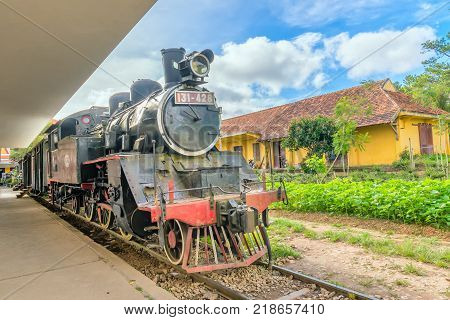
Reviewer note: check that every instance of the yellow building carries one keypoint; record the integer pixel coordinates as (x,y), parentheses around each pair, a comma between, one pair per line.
(6,164)
(395,124)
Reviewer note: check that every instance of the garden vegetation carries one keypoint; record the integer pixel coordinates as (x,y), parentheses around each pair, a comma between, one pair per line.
(423,202)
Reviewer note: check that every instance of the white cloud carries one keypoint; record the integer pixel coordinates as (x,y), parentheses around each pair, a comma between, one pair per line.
(401,55)
(319,80)
(308,13)
(252,74)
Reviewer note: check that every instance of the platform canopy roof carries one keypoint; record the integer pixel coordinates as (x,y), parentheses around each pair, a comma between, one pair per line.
(49,48)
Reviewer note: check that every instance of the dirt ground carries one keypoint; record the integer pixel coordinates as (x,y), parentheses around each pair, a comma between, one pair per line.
(355,267)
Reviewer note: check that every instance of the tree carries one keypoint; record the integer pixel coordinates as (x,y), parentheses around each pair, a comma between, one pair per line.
(346,135)
(441,48)
(432,87)
(313,134)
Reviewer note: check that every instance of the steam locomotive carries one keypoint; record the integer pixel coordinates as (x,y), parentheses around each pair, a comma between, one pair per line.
(148,167)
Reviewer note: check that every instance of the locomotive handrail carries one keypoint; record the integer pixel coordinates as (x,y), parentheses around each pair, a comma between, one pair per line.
(281,180)
(199,188)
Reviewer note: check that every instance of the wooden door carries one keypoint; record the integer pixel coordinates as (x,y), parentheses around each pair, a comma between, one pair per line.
(426,138)
(256,152)
(283,160)
(276,154)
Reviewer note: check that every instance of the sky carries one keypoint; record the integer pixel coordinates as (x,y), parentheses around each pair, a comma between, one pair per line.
(271,52)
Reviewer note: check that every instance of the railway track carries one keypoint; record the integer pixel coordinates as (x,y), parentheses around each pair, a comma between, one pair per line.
(223,289)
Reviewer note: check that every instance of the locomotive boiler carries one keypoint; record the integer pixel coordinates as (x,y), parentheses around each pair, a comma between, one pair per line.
(149,167)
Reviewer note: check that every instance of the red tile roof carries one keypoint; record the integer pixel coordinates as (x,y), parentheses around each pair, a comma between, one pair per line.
(274,122)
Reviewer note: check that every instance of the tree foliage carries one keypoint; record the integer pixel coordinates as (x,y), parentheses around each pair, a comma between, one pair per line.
(313,134)
(315,165)
(346,135)
(432,87)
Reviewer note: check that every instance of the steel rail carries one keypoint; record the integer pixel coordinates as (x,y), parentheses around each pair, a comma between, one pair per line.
(349,293)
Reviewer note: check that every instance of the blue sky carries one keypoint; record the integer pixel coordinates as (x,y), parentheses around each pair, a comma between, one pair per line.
(270,52)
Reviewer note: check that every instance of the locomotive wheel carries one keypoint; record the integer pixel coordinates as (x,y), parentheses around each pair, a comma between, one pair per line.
(174,240)
(105,217)
(75,205)
(60,203)
(125,235)
(53,194)
(89,209)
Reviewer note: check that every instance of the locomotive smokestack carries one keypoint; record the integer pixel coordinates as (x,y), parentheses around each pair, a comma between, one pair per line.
(172,75)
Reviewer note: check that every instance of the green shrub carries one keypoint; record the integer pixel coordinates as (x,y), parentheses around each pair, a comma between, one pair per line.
(424,202)
(434,173)
(371,175)
(401,164)
(314,165)
(405,155)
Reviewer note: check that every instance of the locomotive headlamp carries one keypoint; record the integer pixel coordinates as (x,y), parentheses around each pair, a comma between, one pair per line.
(195,66)
(199,65)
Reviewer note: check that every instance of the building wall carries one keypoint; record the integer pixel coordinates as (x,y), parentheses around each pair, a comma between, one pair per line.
(294,158)
(266,149)
(380,149)
(383,147)
(408,129)
(246,141)
(5,162)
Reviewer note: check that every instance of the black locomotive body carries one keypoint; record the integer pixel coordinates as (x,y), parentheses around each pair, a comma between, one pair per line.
(149,167)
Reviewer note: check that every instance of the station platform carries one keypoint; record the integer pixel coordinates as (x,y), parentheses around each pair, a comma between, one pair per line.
(44,257)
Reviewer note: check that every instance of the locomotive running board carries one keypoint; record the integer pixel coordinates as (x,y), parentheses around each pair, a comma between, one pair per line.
(224,255)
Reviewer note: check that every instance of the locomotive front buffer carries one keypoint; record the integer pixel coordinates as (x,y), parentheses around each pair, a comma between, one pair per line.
(219,232)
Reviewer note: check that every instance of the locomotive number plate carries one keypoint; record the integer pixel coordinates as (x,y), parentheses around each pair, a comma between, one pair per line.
(194,97)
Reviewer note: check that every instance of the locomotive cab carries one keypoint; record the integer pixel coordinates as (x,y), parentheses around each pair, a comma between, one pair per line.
(70,144)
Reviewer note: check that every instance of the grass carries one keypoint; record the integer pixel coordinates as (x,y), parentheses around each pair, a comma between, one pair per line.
(402,282)
(423,251)
(281,250)
(278,232)
(287,226)
(412,269)
(366,282)
(311,234)
(447,292)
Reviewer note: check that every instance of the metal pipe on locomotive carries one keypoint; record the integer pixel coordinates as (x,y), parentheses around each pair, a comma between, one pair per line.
(150,169)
